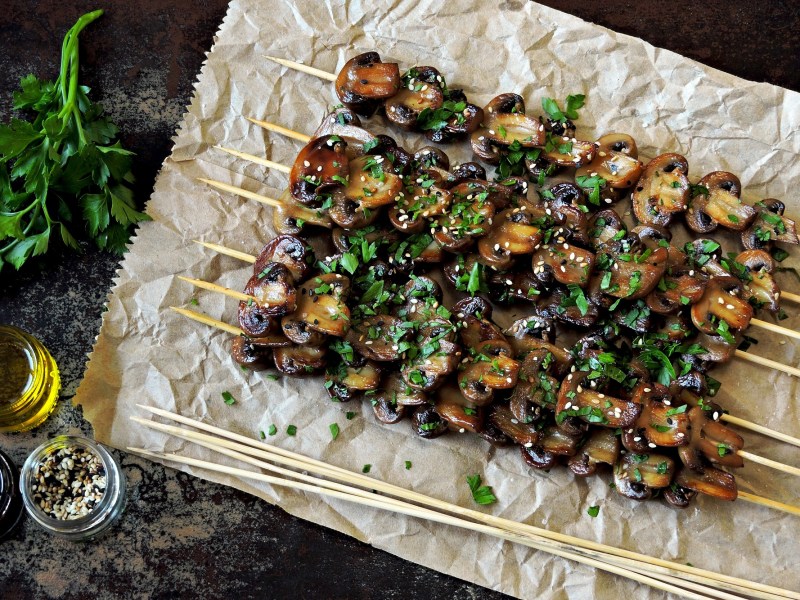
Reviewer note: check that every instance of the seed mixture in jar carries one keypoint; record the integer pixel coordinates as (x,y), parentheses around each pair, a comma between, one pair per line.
(69,482)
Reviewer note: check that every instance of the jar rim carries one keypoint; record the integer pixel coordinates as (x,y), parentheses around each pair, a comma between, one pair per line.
(96,519)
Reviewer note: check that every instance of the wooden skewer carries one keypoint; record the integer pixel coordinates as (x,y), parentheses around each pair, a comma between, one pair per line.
(245,454)
(226,187)
(302,137)
(775,328)
(206,320)
(765,362)
(303,68)
(317,466)
(769,463)
(790,297)
(744,424)
(228,251)
(218,288)
(377,501)
(760,429)
(256,159)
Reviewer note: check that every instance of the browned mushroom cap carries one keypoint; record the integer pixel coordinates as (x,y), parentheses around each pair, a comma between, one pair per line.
(300,333)
(561,305)
(273,291)
(377,337)
(491,369)
(711,482)
(634,275)
(350,214)
(299,360)
(615,162)
(769,226)
(721,204)
(593,407)
(678,496)
(474,306)
(567,263)
(247,354)
(569,152)
(675,290)
(427,373)
(470,216)
(349,378)
(288,250)
(525,434)
(321,305)
(345,124)
(512,233)
(365,80)
(720,310)
(387,411)
(505,122)
(636,475)
(370,185)
(291,216)
(396,389)
(662,422)
(461,119)
(404,108)
(601,447)
(604,227)
(415,207)
(460,414)
(427,423)
(535,388)
(760,287)
(709,441)
(422,297)
(321,166)
(662,191)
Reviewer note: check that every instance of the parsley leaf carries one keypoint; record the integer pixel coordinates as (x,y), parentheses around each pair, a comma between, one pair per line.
(482,494)
(228,398)
(593,511)
(334,430)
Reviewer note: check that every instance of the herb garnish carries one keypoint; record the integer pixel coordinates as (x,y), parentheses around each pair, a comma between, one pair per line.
(482,494)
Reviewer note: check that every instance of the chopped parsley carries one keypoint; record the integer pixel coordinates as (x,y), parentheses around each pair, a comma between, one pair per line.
(482,494)
(334,430)
(593,511)
(291,430)
(228,398)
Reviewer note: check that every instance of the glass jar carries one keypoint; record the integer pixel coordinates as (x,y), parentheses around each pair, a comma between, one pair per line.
(29,380)
(10,499)
(53,499)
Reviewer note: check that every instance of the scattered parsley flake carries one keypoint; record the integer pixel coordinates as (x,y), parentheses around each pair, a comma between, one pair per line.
(482,494)
(228,398)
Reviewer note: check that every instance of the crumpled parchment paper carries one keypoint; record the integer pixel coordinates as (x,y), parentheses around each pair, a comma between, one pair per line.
(147,354)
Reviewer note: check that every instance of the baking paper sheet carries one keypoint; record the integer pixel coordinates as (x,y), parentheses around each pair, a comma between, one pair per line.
(148,354)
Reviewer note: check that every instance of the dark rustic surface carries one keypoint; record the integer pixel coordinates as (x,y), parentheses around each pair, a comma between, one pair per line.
(181,537)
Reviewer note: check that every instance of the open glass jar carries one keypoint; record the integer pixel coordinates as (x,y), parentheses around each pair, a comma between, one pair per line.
(10,500)
(73,487)
(29,380)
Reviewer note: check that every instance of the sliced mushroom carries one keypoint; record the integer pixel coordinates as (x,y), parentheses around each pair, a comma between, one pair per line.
(387,411)
(344,123)
(720,310)
(377,337)
(570,152)
(427,423)
(321,166)
(321,306)
(769,226)
(370,185)
(711,482)
(562,306)
(675,290)
(721,204)
(615,162)
(566,263)
(678,496)
(637,475)
(662,191)
(710,441)
(525,434)
(299,360)
(396,389)
(429,373)
(634,275)
(761,289)
(505,122)
(513,232)
(605,226)
(291,217)
(247,354)
(460,414)
(487,371)
(601,447)
(273,295)
(535,387)
(404,108)
(575,400)
(364,81)
(350,214)
(291,252)
(300,333)
(662,422)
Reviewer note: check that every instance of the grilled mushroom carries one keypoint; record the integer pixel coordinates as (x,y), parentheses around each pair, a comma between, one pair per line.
(273,295)
(427,423)
(662,191)
(364,81)
(601,447)
(460,414)
(615,162)
(769,226)
(505,123)
(525,434)
(320,304)
(711,482)
(321,166)
(423,91)
(719,202)
(760,288)
(719,310)
(377,337)
(299,360)
(291,252)
(637,475)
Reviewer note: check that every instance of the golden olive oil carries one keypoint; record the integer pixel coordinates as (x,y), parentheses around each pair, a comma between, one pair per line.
(29,380)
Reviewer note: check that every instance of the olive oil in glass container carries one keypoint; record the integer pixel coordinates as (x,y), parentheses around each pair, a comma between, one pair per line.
(29,380)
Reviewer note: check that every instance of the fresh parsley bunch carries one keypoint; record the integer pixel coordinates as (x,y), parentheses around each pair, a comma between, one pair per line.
(65,162)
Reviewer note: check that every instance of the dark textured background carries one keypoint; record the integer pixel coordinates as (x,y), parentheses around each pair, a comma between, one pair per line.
(182,537)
